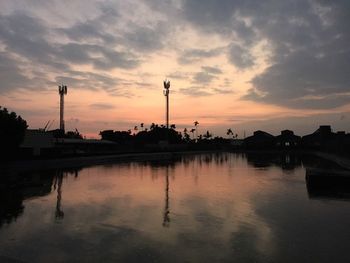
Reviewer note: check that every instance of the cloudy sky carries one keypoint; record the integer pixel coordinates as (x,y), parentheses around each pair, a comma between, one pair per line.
(244,64)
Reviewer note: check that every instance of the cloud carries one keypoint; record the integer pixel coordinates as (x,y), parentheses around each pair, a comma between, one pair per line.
(178,75)
(89,80)
(194,55)
(94,29)
(203,77)
(305,45)
(240,56)
(101,106)
(195,91)
(30,56)
(222,91)
(145,39)
(200,91)
(307,42)
(212,70)
(208,15)
(10,74)
(206,75)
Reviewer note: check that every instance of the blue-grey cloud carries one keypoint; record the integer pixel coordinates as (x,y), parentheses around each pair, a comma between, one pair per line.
(240,57)
(308,42)
(202,91)
(27,47)
(212,70)
(194,55)
(195,91)
(203,77)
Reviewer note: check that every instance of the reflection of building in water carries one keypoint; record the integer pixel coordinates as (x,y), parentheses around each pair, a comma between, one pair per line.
(166,217)
(286,161)
(323,184)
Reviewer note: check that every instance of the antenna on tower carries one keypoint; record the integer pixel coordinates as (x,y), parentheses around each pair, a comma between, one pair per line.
(166,92)
(62,90)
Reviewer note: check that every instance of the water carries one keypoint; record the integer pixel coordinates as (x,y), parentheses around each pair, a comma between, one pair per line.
(197,208)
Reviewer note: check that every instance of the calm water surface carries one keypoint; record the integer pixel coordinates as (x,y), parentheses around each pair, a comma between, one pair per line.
(197,208)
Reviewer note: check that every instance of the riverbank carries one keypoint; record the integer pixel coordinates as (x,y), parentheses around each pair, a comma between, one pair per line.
(84,161)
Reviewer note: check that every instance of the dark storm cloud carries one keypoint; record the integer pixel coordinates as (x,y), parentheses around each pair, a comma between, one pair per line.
(308,42)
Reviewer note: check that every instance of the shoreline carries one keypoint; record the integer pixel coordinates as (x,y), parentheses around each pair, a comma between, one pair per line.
(88,161)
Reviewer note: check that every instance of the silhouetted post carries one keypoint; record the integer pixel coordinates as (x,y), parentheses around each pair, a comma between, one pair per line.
(166,92)
(62,90)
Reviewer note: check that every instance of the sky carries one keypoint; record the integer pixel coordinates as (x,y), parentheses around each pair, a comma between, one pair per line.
(244,64)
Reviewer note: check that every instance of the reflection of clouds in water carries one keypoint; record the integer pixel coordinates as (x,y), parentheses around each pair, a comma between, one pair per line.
(230,212)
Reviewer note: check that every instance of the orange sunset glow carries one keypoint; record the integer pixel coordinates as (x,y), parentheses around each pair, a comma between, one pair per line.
(231,65)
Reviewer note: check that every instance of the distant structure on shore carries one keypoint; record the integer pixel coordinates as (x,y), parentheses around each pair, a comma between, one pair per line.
(62,90)
(166,92)
(322,139)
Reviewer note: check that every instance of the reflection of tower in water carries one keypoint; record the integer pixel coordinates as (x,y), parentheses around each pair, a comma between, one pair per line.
(59,214)
(166,217)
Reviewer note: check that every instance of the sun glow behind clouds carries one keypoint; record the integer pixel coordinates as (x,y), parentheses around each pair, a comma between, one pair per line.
(229,64)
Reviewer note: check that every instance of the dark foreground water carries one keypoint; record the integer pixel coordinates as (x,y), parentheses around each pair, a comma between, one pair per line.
(200,208)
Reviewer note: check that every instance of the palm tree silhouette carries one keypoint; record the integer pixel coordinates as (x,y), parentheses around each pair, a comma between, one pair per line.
(186,136)
(141,125)
(229,132)
(207,135)
(196,124)
(193,130)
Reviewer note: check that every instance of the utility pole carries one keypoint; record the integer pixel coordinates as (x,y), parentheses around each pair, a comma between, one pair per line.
(166,92)
(62,90)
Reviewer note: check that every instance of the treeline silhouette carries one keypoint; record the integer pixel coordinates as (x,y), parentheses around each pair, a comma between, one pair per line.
(56,143)
(12,131)
(161,137)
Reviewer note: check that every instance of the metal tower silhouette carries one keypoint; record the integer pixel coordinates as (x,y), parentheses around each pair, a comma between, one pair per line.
(62,90)
(166,92)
